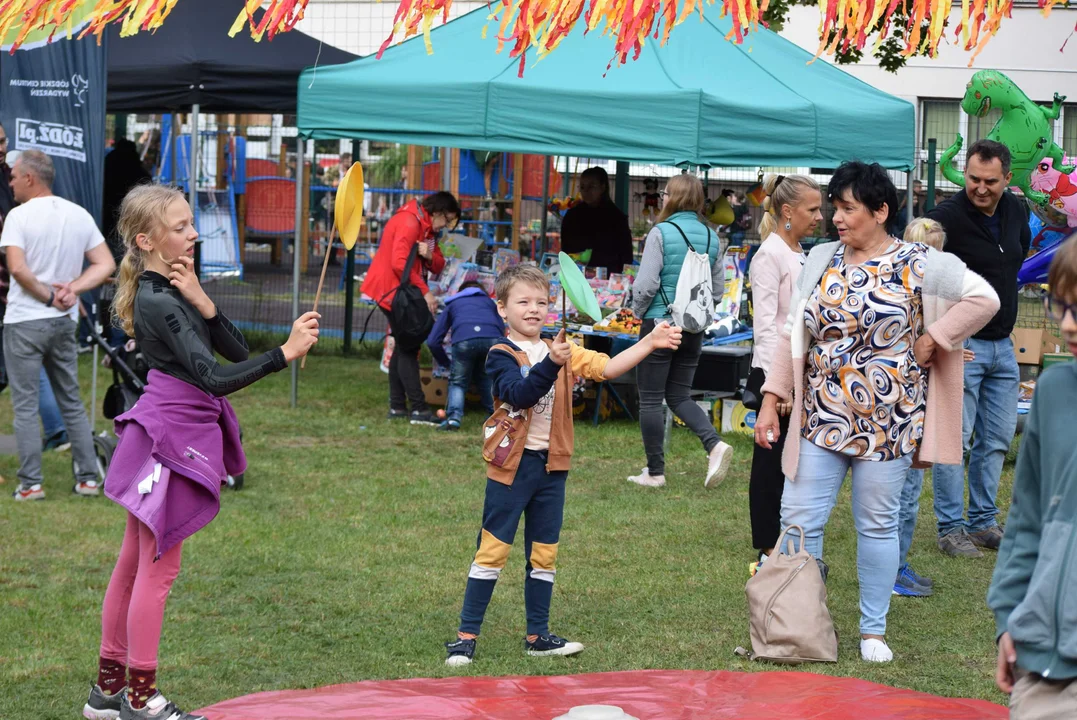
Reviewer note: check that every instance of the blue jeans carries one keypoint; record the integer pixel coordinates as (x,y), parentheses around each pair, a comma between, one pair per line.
(989,420)
(469,363)
(538,497)
(877,487)
(51,420)
(910,508)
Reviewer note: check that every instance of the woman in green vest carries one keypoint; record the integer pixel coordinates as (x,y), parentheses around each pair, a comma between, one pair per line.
(668,374)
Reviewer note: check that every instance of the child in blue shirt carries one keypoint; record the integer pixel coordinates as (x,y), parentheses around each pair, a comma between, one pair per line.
(475,326)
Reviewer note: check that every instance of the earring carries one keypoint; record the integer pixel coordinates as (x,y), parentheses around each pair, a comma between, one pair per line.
(788,226)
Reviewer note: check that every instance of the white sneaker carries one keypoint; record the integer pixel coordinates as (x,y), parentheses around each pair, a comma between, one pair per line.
(876,651)
(718,464)
(90,488)
(647,480)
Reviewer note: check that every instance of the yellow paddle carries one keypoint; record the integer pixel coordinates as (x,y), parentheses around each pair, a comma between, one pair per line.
(348,218)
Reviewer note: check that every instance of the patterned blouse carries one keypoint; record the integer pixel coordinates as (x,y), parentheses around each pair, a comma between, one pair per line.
(864,395)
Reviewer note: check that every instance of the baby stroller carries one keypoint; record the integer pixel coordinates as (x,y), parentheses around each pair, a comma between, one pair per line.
(129,376)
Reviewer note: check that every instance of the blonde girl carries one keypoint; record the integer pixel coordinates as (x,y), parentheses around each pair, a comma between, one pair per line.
(178,443)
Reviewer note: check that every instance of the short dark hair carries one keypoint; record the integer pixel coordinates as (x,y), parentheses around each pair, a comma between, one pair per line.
(988,150)
(599,174)
(868,184)
(442,202)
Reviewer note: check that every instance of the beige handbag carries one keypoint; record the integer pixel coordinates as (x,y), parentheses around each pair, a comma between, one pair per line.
(790,622)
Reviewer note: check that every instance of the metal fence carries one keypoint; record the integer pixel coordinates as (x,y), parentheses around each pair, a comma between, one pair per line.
(246,179)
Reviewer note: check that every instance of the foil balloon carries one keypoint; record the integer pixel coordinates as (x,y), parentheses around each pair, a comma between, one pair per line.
(1046,239)
(1025,128)
(1061,192)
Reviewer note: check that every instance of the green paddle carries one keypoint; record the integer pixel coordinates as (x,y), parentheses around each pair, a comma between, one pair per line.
(578,290)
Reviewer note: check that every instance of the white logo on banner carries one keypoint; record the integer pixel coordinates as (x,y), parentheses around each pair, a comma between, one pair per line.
(75,88)
(79,86)
(51,138)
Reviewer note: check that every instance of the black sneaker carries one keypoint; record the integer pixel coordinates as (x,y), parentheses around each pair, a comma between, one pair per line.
(424,417)
(397,415)
(100,706)
(158,708)
(545,645)
(460,652)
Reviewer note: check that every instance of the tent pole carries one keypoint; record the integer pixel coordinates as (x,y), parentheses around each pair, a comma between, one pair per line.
(192,181)
(620,188)
(545,206)
(446,167)
(299,142)
(910,198)
(173,119)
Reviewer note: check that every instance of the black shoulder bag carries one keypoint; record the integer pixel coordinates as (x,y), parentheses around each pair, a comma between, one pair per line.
(410,319)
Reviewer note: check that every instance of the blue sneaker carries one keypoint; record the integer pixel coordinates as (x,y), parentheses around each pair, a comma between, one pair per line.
(460,652)
(449,426)
(905,587)
(917,577)
(546,645)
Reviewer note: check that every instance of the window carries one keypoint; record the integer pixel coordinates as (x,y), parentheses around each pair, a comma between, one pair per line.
(1069,130)
(980,126)
(941,121)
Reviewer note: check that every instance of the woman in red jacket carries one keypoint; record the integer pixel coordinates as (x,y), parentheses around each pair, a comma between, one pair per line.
(417,222)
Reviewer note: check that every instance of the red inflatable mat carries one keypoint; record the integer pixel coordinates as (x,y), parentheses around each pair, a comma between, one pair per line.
(647,695)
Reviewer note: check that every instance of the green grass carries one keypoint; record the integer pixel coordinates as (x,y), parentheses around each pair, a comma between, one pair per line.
(345,558)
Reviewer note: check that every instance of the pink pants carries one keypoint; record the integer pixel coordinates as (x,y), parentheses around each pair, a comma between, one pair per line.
(135,600)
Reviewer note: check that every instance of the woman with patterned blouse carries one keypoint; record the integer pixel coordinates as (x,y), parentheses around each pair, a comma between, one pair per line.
(869,315)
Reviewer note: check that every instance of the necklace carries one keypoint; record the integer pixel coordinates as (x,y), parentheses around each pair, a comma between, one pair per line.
(875,251)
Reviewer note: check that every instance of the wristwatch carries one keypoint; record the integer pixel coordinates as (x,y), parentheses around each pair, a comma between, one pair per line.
(52,298)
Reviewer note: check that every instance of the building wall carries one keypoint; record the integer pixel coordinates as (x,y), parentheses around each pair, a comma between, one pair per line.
(1026,48)
(360,26)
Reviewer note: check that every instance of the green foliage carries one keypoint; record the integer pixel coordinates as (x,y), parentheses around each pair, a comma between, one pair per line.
(386,171)
(889,54)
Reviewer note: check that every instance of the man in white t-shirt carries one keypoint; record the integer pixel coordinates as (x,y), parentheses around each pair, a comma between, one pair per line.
(46,240)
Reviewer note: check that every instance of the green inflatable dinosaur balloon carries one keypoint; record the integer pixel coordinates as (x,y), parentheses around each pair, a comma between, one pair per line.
(1025,128)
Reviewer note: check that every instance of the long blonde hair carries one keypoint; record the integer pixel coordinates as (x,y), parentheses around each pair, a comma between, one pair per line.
(141,213)
(927,231)
(781,190)
(685,195)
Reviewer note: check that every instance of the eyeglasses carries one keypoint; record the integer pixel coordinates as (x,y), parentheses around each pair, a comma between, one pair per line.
(1059,307)
(664,193)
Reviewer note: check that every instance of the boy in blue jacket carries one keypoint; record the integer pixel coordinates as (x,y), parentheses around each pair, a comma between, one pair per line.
(527,445)
(471,316)
(1034,590)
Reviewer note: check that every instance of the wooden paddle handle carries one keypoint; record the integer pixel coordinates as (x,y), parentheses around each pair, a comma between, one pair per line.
(321,281)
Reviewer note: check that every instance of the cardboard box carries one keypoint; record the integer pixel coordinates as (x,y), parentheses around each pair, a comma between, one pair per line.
(737,418)
(1029,345)
(435,389)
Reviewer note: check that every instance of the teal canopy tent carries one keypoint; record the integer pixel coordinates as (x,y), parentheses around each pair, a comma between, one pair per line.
(700,100)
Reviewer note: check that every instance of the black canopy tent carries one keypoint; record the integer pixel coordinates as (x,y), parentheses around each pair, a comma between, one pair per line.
(190,61)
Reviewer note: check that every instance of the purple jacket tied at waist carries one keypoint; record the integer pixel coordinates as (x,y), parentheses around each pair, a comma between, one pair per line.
(177,445)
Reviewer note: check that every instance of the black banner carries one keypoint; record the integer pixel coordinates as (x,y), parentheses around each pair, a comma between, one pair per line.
(52,98)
